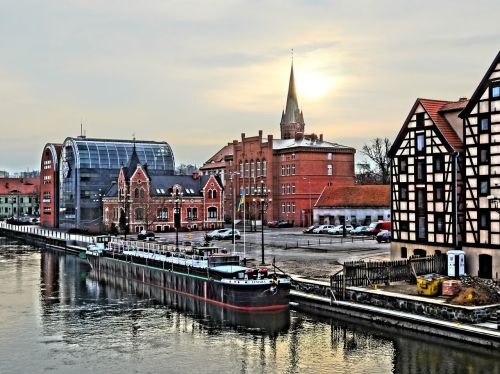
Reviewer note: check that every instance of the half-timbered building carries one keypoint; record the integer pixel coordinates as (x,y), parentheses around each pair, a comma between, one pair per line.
(425,180)
(481,120)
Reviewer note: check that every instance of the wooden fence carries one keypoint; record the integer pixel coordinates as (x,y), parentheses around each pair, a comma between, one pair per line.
(361,274)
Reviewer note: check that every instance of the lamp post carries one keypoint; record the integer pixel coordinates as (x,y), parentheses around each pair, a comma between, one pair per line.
(262,193)
(233,202)
(310,206)
(177,198)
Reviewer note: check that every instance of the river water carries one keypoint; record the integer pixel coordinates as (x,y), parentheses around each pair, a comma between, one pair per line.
(56,318)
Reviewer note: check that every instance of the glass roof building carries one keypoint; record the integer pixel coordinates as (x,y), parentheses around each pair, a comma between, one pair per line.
(88,168)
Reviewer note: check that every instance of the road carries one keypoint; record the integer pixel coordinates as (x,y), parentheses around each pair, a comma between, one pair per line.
(309,255)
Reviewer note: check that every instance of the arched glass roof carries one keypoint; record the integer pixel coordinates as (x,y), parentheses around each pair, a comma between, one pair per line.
(111,154)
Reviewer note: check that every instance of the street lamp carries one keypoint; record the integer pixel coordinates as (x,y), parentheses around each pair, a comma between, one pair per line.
(231,173)
(262,193)
(310,206)
(177,198)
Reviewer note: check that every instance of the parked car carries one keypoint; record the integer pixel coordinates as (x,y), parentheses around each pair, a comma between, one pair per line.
(146,235)
(376,227)
(229,234)
(310,229)
(337,230)
(272,224)
(360,230)
(384,236)
(283,223)
(322,229)
(215,233)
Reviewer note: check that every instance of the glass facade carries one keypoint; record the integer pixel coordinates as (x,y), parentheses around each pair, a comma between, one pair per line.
(87,169)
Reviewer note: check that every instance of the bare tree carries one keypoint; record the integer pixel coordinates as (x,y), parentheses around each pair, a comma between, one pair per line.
(377,151)
(365,174)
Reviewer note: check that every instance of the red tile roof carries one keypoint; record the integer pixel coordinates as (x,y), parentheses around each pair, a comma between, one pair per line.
(433,108)
(355,196)
(23,186)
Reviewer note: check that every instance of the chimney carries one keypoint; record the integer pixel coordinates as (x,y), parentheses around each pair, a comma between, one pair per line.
(320,137)
(299,135)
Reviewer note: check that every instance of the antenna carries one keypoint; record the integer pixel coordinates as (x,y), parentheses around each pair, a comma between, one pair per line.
(81,126)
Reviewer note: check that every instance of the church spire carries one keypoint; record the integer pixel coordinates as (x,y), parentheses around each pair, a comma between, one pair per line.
(292,120)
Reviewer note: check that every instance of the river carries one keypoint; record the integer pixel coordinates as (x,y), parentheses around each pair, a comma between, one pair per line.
(55,317)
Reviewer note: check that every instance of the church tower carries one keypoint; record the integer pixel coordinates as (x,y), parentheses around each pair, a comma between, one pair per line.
(292,119)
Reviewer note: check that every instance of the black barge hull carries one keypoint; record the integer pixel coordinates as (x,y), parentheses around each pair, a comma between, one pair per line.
(250,296)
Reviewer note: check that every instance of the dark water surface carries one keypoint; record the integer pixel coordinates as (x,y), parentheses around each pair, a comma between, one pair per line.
(56,318)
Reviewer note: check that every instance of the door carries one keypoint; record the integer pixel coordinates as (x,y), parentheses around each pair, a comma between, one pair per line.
(485,267)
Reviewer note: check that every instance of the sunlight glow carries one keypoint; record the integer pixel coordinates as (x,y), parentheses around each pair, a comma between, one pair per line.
(313,86)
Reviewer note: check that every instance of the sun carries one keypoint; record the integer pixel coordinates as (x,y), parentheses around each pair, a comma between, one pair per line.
(313,86)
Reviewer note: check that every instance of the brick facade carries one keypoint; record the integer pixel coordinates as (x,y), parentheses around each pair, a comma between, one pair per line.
(49,185)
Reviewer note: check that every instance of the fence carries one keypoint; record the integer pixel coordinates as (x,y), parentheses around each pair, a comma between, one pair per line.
(363,274)
(37,231)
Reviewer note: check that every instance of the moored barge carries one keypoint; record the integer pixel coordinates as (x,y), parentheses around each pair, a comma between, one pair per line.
(202,273)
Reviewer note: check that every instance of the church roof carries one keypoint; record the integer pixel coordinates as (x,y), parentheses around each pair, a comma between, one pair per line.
(292,113)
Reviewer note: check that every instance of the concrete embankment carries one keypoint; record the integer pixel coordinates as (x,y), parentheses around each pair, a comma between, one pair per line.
(329,307)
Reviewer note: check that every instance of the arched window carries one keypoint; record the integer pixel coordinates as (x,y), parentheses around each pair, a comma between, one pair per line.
(139,214)
(214,194)
(258,168)
(246,169)
(137,193)
(252,169)
(264,168)
(212,212)
(241,168)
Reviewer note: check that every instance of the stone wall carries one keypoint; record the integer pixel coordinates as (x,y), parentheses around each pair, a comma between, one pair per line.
(424,308)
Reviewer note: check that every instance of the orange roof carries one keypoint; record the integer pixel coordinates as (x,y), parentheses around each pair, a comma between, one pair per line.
(433,107)
(23,186)
(355,196)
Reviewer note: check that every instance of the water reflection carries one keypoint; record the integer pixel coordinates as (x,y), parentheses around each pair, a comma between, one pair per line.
(62,319)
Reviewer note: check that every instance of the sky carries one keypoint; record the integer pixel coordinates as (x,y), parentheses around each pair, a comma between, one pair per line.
(197,74)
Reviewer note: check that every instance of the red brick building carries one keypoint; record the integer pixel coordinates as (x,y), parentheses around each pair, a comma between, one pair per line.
(295,168)
(146,203)
(49,185)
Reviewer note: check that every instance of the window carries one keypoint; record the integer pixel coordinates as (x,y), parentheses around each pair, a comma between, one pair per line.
(420,119)
(329,170)
(282,189)
(139,214)
(483,153)
(293,207)
(403,164)
(264,168)
(258,168)
(484,186)
(330,156)
(403,192)
(252,169)
(214,194)
(484,220)
(403,225)
(212,212)
(288,170)
(288,189)
(162,214)
(293,188)
(439,192)
(495,90)
(293,169)
(283,207)
(288,207)
(420,171)
(241,168)
(421,229)
(438,163)
(282,169)
(246,169)
(192,213)
(439,223)
(420,143)
(484,124)
(421,199)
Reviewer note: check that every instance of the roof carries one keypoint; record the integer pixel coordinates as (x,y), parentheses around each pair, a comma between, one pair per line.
(161,185)
(435,109)
(355,196)
(292,113)
(218,160)
(23,186)
(432,107)
(480,88)
(279,144)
